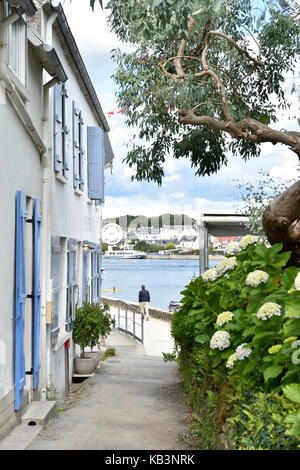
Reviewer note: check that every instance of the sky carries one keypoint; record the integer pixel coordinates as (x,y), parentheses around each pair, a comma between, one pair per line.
(181,191)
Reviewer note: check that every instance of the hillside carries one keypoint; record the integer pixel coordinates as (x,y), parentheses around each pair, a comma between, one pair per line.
(136,221)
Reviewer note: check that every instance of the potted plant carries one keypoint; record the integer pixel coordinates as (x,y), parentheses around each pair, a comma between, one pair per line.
(91,322)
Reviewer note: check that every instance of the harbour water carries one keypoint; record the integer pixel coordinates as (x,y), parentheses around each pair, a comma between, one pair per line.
(164,278)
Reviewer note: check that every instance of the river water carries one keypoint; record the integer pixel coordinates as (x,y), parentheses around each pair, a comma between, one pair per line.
(164,278)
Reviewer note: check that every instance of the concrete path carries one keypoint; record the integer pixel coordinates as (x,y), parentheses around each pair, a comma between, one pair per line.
(133,401)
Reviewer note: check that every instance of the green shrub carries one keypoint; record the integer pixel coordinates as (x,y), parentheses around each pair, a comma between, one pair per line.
(259,423)
(260,349)
(237,332)
(92,321)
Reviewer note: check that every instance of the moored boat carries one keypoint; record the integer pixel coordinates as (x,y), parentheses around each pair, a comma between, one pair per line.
(125,254)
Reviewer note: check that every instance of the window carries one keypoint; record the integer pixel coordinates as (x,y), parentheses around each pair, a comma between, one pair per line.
(17,49)
(61,130)
(72,286)
(86,297)
(57,263)
(96,275)
(78,152)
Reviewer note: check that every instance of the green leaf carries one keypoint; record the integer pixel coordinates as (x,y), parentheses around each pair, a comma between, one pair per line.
(292,392)
(292,308)
(250,366)
(291,328)
(272,372)
(261,250)
(295,420)
(202,339)
(262,335)
(282,259)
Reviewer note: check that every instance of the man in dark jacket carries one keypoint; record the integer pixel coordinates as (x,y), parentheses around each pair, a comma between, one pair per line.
(144,299)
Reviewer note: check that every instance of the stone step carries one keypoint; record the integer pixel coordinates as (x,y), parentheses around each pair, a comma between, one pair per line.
(39,412)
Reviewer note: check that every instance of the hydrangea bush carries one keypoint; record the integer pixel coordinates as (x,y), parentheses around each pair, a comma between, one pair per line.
(237,330)
(243,312)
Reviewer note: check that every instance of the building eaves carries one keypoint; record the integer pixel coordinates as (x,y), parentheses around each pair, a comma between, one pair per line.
(78,61)
(27,6)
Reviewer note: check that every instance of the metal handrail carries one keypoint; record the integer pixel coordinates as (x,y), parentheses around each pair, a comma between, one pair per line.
(125,327)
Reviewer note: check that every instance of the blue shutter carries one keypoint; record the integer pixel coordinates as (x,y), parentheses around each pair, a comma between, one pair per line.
(75,114)
(95,145)
(20,297)
(81,153)
(94,297)
(99,279)
(36,290)
(57,127)
(71,280)
(85,276)
(65,130)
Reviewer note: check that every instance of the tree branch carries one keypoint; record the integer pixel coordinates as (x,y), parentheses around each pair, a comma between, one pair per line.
(248,129)
(181,49)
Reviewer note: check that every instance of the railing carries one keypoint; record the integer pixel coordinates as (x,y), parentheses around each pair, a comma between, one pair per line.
(129,320)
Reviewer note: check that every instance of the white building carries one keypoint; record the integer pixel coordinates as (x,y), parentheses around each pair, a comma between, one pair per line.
(54,149)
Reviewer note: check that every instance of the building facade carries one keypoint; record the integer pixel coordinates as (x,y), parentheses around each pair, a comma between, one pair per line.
(55,148)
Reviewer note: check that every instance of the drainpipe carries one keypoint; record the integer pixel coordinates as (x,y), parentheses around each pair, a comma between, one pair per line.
(45,244)
(46,286)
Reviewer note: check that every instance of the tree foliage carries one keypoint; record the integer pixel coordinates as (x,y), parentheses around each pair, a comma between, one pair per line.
(254,198)
(200,72)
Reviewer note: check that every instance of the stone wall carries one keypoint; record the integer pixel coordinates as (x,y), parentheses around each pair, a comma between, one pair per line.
(154,312)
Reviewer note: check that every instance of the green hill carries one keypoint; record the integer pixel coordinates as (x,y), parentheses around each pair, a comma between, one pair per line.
(136,221)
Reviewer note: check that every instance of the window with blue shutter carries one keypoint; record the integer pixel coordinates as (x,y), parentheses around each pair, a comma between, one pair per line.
(96,274)
(36,291)
(99,278)
(94,296)
(57,263)
(60,130)
(20,297)
(85,275)
(95,158)
(72,286)
(78,153)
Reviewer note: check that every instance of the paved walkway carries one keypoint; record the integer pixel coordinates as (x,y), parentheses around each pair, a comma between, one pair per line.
(133,401)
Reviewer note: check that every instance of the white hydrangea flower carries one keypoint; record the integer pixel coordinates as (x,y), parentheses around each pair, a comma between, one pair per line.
(256,277)
(232,248)
(246,241)
(242,351)
(220,340)
(230,361)
(224,317)
(268,310)
(297,281)
(210,275)
(226,265)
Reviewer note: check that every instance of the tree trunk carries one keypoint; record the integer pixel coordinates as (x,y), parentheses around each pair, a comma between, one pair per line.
(281,222)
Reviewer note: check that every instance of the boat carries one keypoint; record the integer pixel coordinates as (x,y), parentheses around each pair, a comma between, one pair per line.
(125,254)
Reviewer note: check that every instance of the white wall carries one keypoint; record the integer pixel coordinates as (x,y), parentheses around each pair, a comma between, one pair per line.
(20,169)
(73,216)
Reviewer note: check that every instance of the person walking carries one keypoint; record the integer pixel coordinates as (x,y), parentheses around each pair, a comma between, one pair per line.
(144,299)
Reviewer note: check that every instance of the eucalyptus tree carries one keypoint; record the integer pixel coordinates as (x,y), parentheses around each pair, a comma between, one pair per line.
(206,79)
